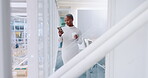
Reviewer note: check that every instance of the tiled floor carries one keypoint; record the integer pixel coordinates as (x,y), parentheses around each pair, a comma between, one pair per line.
(20,74)
(19,56)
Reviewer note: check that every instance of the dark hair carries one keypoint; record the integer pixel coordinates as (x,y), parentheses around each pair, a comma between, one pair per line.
(70,15)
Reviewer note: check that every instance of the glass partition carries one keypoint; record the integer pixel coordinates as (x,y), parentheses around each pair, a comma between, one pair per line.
(19,46)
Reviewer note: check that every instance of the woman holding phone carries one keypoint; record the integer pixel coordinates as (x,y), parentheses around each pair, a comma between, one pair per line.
(71,37)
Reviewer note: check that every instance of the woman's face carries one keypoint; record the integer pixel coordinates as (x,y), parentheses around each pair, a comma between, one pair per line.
(69,21)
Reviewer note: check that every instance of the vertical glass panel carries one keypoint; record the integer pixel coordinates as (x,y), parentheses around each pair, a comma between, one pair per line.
(19,38)
(19,47)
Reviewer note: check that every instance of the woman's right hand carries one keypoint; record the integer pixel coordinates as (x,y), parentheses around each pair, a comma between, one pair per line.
(60,32)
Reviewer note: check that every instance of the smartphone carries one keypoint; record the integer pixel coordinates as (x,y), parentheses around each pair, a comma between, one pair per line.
(59,28)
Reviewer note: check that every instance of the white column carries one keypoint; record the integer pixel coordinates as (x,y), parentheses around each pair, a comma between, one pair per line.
(51,36)
(46,38)
(53,33)
(32,22)
(109,58)
(5,39)
(147,55)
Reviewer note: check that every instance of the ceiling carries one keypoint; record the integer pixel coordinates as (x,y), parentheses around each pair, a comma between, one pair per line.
(19,7)
(79,0)
(65,5)
(71,3)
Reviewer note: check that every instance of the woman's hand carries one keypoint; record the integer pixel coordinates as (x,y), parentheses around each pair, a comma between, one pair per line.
(76,36)
(60,31)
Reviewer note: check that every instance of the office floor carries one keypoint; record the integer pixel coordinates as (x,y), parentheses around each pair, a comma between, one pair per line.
(20,74)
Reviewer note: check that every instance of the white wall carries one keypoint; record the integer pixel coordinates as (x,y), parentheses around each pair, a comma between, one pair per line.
(123,7)
(90,5)
(130,55)
(92,23)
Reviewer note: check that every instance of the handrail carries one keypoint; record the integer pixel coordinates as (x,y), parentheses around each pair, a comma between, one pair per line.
(100,52)
(102,66)
(100,41)
(20,63)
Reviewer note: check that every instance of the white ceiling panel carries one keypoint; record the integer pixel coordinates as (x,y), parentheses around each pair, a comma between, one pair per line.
(18,8)
(79,0)
(83,3)
(12,4)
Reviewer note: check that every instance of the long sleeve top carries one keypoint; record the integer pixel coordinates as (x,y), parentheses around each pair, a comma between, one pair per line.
(70,45)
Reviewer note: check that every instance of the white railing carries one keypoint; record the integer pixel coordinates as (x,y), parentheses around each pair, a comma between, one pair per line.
(105,48)
(19,64)
(92,54)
